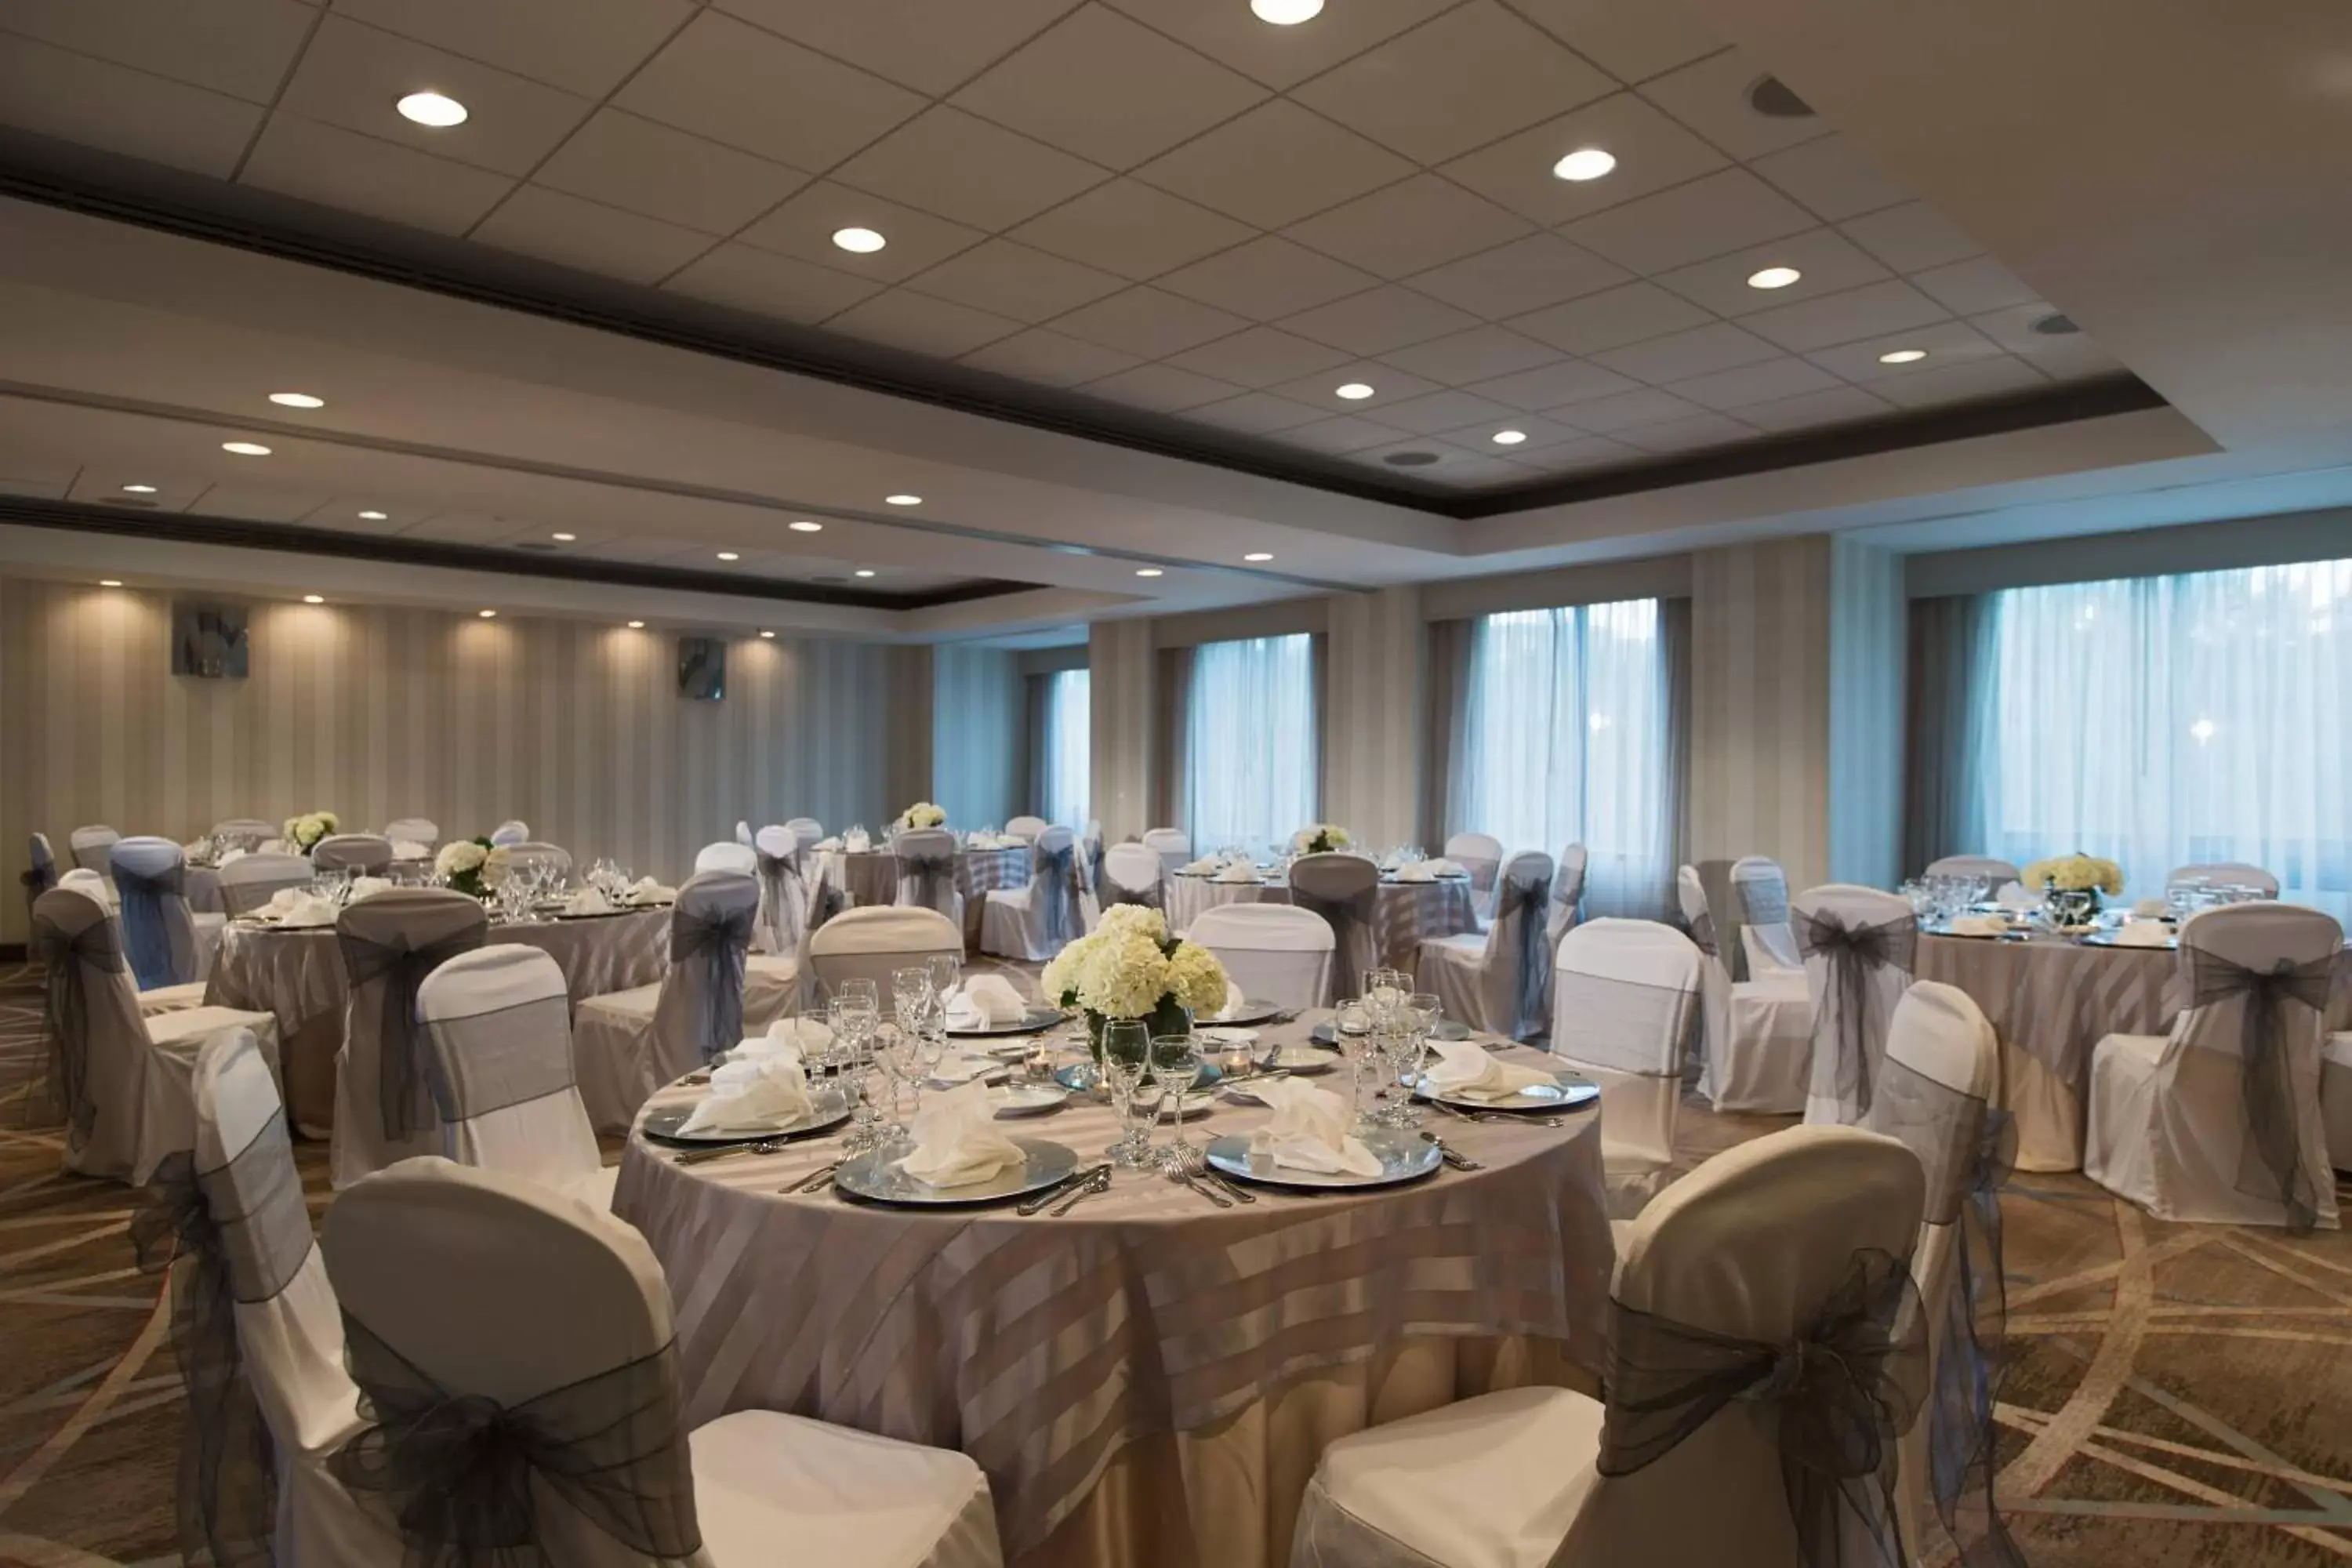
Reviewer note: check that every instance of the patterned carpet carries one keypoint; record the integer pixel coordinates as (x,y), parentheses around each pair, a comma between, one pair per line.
(2180,1395)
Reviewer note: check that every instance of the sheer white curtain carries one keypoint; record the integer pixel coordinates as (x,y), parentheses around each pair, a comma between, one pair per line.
(2162,720)
(1249,756)
(1069,757)
(1567,738)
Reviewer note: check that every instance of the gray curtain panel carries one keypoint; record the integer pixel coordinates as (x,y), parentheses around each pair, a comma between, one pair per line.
(1172,802)
(1446,734)
(1951,653)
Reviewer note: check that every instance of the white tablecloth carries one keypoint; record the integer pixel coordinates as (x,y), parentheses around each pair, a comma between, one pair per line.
(1404,914)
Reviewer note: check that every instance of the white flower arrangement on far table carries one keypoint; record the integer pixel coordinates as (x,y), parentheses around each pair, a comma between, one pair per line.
(1321,838)
(304,832)
(923,814)
(2075,873)
(1129,967)
(471,866)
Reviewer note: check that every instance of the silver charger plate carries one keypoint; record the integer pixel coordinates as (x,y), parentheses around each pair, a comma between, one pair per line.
(1573,1092)
(2103,939)
(1252,1012)
(875,1178)
(828,1109)
(1404,1156)
(1035,1021)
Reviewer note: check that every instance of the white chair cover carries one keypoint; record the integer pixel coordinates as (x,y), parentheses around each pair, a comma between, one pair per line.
(1989,869)
(510,832)
(2224,874)
(1131,873)
(1625,997)
(414,830)
(743,832)
(1497,982)
(248,882)
(499,1023)
(1090,854)
(791,883)
(245,832)
(1481,855)
(1344,889)
(1036,920)
(1028,829)
(93,848)
(926,866)
(90,884)
(2203,1124)
(728,856)
(1566,896)
(1758,1033)
(1276,954)
(166,944)
(1172,845)
(384,1108)
(868,944)
(1767,938)
(1756,1245)
(628,1044)
(40,873)
(808,830)
(367,854)
(1858,944)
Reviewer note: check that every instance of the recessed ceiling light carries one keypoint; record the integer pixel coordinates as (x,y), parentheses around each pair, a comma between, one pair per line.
(1354,391)
(636,625)
(1286,12)
(563,538)
(376,517)
(1259,555)
(1773,278)
(862,241)
(1584,164)
(246,449)
(433,109)
(297,400)
(139,489)
(866,572)
(1510,438)
(769,635)
(729,555)
(1903,356)
(1147,570)
(805,526)
(110,581)
(313,599)
(488,614)
(903,501)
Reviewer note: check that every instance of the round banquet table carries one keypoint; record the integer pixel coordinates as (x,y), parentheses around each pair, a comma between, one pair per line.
(298,976)
(1147,1381)
(2051,1001)
(1404,913)
(871,877)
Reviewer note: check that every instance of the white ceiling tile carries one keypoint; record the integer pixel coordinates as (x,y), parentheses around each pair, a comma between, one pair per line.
(1150,322)
(1410,226)
(1992,376)
(1611,319)
(587,47)
(1275,166)
(1379,320)
(101,484)
(1255,412)
(1050,359)
(1551,385)
(1689,434)
(1105,88)
(920,324)
(1389,385)
(947,162)
(1472,355)
(1014,280)
(352,76)
(1456,83)
(1719,346)
(1816,410)
(588,235)
(1974,287)
(1343,434)
(241,47)
(1947,341)
(1652,153)
(1525,275)
(1580,456)
(257,503)
(17,479)
(1632,43)
(1868,312)
(746,278)
(1266,279)
(342,513)
(1724,211)
(1127,227)
(1832,177)
(2066,356)
(1911,238)
(933,45)
(1540,434)
(1279,56)
(623,160)
(334,167)
(1762,382)
(471,528)
(1437,411)
(1711,95)
(1160,388)
(97,104)
(1831,263)
(749,89)
(807,221)
(1260,356)
(1603,415)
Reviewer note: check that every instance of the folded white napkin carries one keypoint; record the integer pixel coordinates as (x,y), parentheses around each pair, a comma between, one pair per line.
(1239,871)
(368,887)
(301,906)
(752,1095)
(192,849)
(957,1142)
(588,901)
(985,1000)
(279,847)
(409,849)
(647,890)
(799,1038)
(858,843)
(830,845)
(1206,866)
(984,841)
(1309,1131)
(1978,925)
(1418,872)
(2013,896)
(228,854)
(1441,867)
(2151,909)
(1466,1069)
(2144,934)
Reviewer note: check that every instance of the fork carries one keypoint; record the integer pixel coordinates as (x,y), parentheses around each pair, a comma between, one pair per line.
(1092,1187)
(1180,1172)
(704,1156)
(1198,1164)
(1497,1116)
(814,1180)
(1453,1156)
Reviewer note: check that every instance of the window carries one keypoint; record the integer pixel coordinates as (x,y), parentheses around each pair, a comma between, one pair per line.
(2161,722)
(1250,747)
(1068,756)
(1567,740)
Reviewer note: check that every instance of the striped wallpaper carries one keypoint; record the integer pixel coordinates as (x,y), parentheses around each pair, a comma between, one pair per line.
(1869,647)
(1121,723)
(1376,663)
(378,712)
(980,721)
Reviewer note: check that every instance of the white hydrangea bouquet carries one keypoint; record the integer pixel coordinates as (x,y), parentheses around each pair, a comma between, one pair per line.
(2075,873)
(469,865)
(1321,838)
(1129,967)
(304,832)
(923,814)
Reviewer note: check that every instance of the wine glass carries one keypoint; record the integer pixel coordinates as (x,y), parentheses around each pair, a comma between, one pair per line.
(1350,1027)
(911,991)
(855,1073)
(947,972)
(1421,1013)
(1177,1063)
(1135,1097)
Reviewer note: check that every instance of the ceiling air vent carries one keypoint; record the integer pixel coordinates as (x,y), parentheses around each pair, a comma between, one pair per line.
(1771,97)
(1410,459)
(2055,325)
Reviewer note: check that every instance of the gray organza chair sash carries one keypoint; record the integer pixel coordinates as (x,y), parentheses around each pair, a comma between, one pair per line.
(1355,945)
(66,958)
(1854,954)
(145,899)
(1526,903)
(1567,893)
(1844,1387)
(706,955)
(2272,1166)
(399,964)
(488,1062)
(784,901)
(926,881)
(1057,875)
(459,1470)
(1702,934)
(1117,892)
(236,1233)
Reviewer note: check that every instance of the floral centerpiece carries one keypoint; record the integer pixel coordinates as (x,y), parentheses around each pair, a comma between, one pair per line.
(1321,838)
(1129,967)
(304,832)
(2070,885)
(471,866)
(923,814)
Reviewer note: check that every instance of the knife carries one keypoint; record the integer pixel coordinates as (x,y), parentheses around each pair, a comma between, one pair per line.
(1030,1205)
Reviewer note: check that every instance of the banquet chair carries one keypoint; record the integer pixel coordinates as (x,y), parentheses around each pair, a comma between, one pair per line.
(1131,873)
(248,882)
(1028,829)
(1567,897)
(511,831)
(771,971)
(40,872)
(1172,845)
(535,852)
(868,944)
(1481,855)
(743,833)
(808,830)
(90,884)
(1276,954)
(1753,1247)
(2173,1118)
(725,855)
(1989,869)
(361,854)
(927,871)
(1344,889)
(389,944)
(243,832)
(420,830)
(1090,854)
(1034,922)
(1859,944)
(1496,981)
(1758,1033)
(498,1023)
(480,1288)
(628,1044)
(93,848)
(2224,874)
(1768,941)
(122,1079)
(1625,995)
(167,944)
(2336,1096)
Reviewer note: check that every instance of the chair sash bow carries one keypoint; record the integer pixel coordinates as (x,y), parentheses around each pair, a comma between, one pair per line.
(1351,928)
(1854,954)
(1056,875)
(927,882)
(710,948)
(146,938)
(401,964)
(2272,1167)
(1524,902)
(64,958)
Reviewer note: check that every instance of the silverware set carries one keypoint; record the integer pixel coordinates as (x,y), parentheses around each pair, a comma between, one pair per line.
(1497,1116)
(1198,1163)
(1180,1172)
(1453,1156)
(1078,1185)
(820,1177)
(704,1156)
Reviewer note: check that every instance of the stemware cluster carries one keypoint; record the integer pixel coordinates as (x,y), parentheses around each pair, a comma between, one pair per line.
(874,1060)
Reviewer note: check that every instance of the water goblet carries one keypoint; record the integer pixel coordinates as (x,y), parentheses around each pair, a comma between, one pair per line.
(946,971)
(1177,1063)
(910,990)
(1134,1095)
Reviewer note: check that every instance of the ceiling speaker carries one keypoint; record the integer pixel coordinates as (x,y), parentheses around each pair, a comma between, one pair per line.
(702,669)
(208,641)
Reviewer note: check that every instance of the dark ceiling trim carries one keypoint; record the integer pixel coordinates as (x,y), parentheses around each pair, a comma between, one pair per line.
(192,528)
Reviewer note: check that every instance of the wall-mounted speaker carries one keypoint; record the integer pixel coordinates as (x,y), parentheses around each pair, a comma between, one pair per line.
(702,669)
(208,641)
